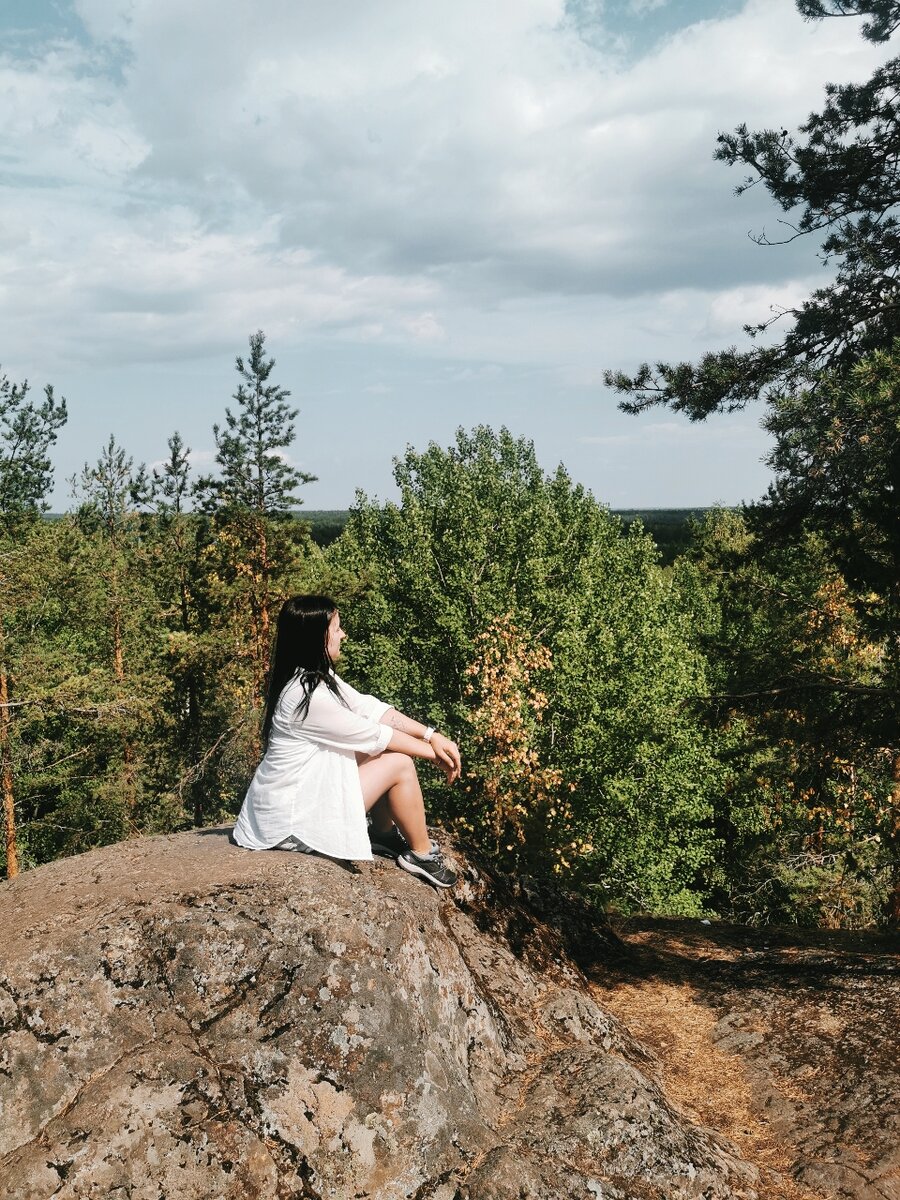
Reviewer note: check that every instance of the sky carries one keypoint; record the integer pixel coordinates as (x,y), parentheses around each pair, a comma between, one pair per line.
(441,214)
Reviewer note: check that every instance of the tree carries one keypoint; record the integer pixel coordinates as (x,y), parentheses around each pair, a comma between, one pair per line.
(574,629)
(255,475)
(837,472)
(27,431)
(840,178)
(176,539)
(836,461)
(111,491)
(793,675)
(255,491)
(514,796)
(171,484)
(198,569)
(885,14)
(831,382)
(22,559)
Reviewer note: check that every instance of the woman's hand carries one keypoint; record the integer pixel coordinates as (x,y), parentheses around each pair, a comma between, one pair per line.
(446,756)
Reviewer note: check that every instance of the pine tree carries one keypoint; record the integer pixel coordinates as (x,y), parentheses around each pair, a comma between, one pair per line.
(839,179)
(831,382)
(169,490)
(254,473)
(27,431)
(254,492)
(177,537)
(111,490)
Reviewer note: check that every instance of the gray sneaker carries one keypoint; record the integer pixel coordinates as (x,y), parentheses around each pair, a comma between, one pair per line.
(294,843)
(388,845)
(430,866)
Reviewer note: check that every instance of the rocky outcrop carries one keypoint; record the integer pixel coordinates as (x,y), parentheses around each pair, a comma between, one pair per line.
(181,1018)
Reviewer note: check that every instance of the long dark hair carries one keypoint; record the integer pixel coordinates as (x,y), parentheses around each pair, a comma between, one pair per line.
(301,651)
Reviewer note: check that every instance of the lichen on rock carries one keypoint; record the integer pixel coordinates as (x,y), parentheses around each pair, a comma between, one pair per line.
(181,1018)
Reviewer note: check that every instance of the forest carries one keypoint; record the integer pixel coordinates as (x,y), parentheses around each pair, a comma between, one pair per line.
(710,734)
(671,528)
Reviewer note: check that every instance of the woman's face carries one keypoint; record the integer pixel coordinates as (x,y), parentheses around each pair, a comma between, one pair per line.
(334,637)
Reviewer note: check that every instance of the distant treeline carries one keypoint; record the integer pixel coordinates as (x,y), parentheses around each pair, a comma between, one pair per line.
(670,528)
(325,525)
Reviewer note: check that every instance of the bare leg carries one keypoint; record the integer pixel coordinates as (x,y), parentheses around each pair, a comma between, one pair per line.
(391,791)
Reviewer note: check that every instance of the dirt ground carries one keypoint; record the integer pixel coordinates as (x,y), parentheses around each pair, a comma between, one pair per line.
(786,1041)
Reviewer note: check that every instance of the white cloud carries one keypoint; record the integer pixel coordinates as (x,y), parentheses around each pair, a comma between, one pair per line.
(676,434)
(90,283)
(200,460)
(425,328)
(733,308)
(645,6)
(482,185)
(487,148)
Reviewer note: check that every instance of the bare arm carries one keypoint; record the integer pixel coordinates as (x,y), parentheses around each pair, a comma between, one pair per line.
(404,724)
(415,747)
(408,737)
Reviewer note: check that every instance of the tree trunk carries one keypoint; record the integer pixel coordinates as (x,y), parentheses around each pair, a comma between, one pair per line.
(893,913)
(192,740)
(260,606)
(6,778)
(265,571)
(129,773)
(118,652)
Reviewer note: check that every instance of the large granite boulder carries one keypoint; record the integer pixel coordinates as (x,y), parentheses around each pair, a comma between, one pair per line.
(182,1018)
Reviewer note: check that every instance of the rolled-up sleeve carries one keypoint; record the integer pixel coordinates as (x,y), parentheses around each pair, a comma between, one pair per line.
(330,724)
(363,705)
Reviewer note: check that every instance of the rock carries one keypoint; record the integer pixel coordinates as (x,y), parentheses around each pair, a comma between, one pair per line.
(181,1018)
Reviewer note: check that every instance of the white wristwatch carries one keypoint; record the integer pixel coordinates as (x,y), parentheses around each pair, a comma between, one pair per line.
(428,734)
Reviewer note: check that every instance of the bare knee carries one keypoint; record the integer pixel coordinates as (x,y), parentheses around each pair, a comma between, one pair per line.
(406,768)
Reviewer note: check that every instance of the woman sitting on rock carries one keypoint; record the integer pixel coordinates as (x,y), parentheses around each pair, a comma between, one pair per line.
(333,754)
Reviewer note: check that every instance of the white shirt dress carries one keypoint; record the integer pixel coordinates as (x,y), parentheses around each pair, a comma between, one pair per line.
(308,781)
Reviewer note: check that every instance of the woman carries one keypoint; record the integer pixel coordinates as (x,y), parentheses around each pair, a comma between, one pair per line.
(333,754)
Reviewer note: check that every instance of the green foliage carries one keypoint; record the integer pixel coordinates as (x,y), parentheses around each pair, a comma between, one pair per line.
(253,539)
(837,472)
(830,890)
(482,532)
(84,713)
(134,636)
(885,14)
(326,526)
(254,476)
(27,432)
(840,179)
(170,485)
(714,736)
(670,528)
(831,390)
(794,673)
